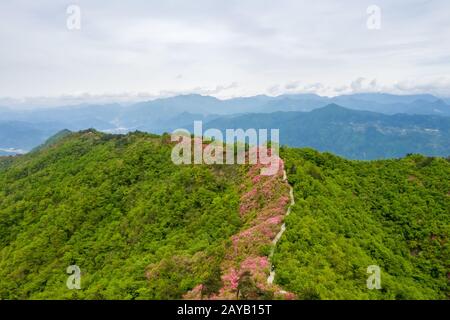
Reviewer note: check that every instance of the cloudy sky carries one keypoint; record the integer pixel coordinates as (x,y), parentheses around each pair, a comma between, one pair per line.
(138,49)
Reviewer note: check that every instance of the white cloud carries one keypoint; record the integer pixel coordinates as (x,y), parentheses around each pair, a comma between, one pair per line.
(179,46)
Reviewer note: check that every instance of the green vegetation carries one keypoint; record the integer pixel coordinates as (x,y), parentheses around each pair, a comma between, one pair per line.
(138,226)
(352,214)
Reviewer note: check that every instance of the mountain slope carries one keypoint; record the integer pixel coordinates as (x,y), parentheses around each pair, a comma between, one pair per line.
(112,205)
(140,227)
(349,215)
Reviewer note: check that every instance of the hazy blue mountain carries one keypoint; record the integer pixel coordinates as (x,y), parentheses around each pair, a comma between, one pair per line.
(175,122)
(18,137)
(386,98)
(151,113)
(438,107)
(193,103)
(165,108)
(167,114)
(392,104)
(350,133)
(377,102)
(293,103)
(75,117)
(237,105)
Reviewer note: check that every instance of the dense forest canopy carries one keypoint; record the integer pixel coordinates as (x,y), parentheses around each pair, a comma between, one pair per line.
(351,214)
(113,205)
(140,227)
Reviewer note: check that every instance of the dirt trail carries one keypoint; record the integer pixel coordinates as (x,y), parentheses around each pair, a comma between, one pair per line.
(283,228)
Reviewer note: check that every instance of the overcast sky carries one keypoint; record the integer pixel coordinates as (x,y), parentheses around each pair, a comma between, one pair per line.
(139,49)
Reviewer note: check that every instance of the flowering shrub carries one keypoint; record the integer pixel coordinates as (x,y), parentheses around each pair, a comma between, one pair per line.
(230,280)
(256,179)
(264,201)
(255,264)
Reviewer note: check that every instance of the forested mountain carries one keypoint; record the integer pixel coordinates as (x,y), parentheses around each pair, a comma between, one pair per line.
(140,227)
(350,133)
(113,205)
(394,214)
(165,114)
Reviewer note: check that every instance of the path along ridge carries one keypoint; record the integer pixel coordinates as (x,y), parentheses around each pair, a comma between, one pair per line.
(282,230)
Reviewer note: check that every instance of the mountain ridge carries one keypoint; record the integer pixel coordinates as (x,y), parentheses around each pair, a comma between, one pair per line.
(350,133)
(166,114)
(140,227)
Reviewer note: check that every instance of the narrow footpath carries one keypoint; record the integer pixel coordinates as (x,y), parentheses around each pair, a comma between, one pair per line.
(283,228)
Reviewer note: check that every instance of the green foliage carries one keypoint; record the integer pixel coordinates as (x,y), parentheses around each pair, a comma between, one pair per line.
(138,226)
(352,214)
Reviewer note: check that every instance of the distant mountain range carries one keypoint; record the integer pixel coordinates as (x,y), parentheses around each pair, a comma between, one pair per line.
(393,117)
(20,137)
(350,133)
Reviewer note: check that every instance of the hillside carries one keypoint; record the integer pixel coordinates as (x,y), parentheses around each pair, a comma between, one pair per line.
(353,134)
(140,227)
(348,215)
(112,205)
